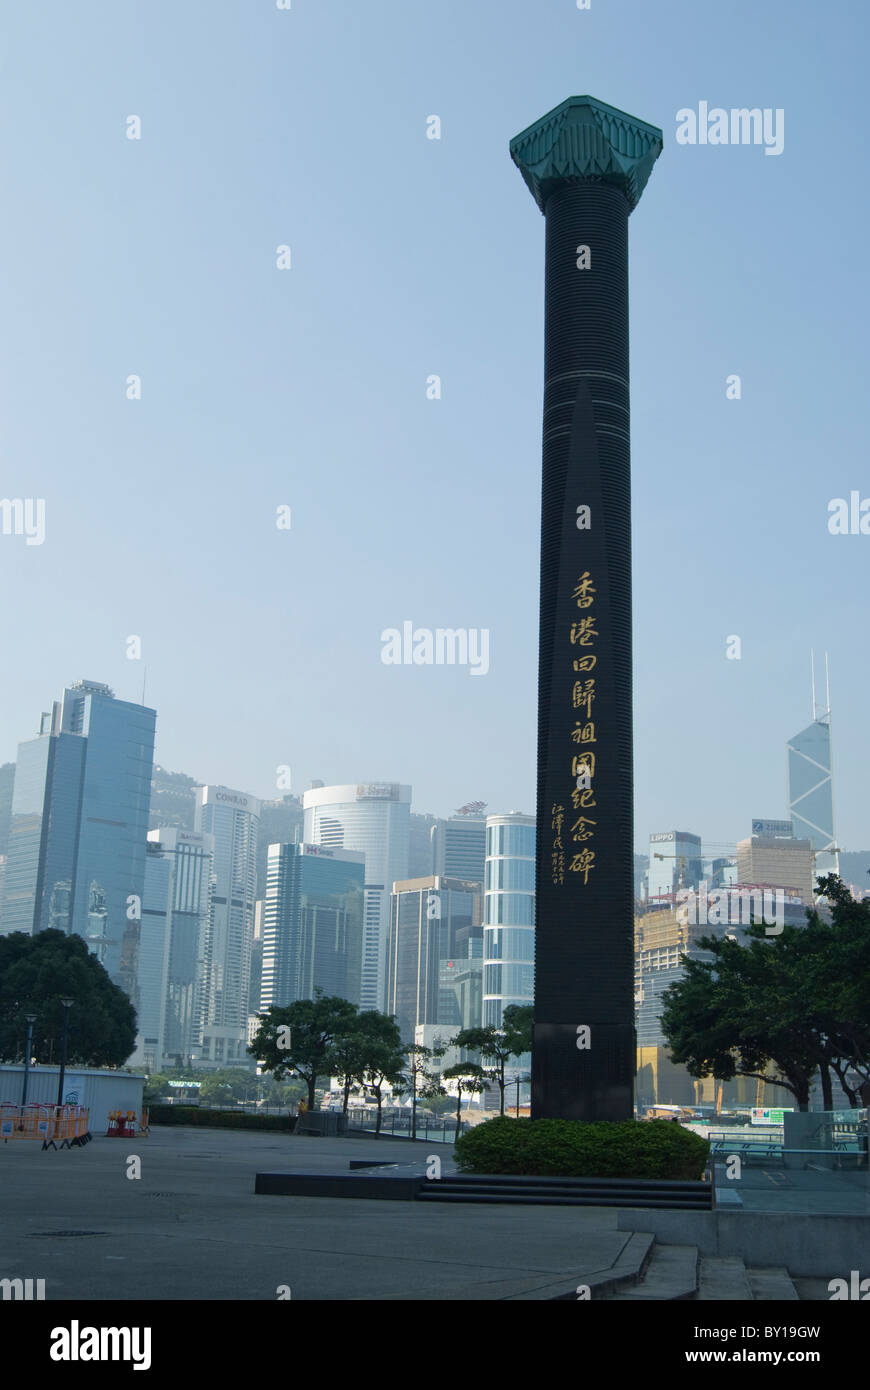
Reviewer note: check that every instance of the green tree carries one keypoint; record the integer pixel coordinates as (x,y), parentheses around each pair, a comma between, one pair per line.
(471,1079)
(297,1039)
(498,1045)
(420,1078)
(725,1018)
(832,985)
(799,1001)
(518,1021)
(381,1058)
(346,1056)
(36,972)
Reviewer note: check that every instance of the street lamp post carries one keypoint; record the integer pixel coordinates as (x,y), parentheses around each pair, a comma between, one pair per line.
(67,1005)
(413,1096)
(28,1046)
(520,1078)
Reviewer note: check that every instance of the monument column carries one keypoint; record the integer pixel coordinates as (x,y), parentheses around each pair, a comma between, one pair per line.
(586,165)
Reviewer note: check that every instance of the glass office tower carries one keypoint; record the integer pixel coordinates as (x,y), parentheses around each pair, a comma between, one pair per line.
(79,819)
(175,916)
(459,847)
(675,862)
(372,818)
(811,792)
(233,819)
(508,915)
(150,996)
(312,924)
(431,922)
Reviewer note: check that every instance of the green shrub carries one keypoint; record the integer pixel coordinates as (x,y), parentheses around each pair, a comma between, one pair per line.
(217,1119)
(573,1148)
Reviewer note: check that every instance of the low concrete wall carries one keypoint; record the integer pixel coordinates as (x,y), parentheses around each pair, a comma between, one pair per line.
(381,1188)
(807,1245)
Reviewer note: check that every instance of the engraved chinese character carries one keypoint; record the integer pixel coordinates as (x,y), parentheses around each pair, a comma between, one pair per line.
(586,663)
(585,591)
(582,696)
(582,863)
(582,632)
(580,829)
(583,733)
(581,800)
(583,765)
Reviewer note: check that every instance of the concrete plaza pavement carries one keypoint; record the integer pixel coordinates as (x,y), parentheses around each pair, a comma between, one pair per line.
(192,1228)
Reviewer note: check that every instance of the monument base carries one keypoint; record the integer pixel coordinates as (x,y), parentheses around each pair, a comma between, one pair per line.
(586,1075)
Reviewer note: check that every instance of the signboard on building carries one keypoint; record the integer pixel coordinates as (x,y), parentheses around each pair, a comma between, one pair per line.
(761,1116)
(378,791)
(774,829)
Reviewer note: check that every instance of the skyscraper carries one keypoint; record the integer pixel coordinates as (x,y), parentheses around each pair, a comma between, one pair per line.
(79,818)
(777,862)
(508,915)
(312,924)
(586,165)
(675,861)
(429,917)
(232,818)
(175,914)
(149,999)
(810,784)
(372,818)
(459,847)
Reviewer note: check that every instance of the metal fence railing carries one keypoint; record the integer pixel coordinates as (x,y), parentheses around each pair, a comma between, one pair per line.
(397,1124)
(62,1126)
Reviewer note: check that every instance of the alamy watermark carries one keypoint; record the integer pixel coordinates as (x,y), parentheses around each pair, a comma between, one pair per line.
(23,516)
(446,646)
(854,1288)
(850,518)
(739,126)
(732,906)
(22,1289)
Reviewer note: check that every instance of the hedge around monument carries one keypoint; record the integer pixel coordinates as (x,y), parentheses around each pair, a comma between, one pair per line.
(579,1149)
(217,1119)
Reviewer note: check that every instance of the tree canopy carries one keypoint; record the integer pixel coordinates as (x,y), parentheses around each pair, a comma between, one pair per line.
(498,1045)
(36,972)
(798,1002)
(298,1039)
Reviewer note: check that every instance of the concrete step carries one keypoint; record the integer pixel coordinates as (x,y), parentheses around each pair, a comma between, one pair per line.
(775,1284)
(621,1192)
(723,1278)
(624,1273)
(671,1273)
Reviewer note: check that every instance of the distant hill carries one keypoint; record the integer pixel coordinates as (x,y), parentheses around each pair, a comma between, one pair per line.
(173,799)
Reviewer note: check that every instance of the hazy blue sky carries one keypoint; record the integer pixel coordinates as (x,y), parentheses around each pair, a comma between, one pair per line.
(307,387)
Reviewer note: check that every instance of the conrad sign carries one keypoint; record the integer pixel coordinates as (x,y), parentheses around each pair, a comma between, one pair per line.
(224,796)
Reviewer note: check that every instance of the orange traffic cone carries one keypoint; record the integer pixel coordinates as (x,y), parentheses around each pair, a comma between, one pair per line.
(112,1131)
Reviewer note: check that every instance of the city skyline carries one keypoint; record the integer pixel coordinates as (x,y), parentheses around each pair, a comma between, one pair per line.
(844,776)
(730,504)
